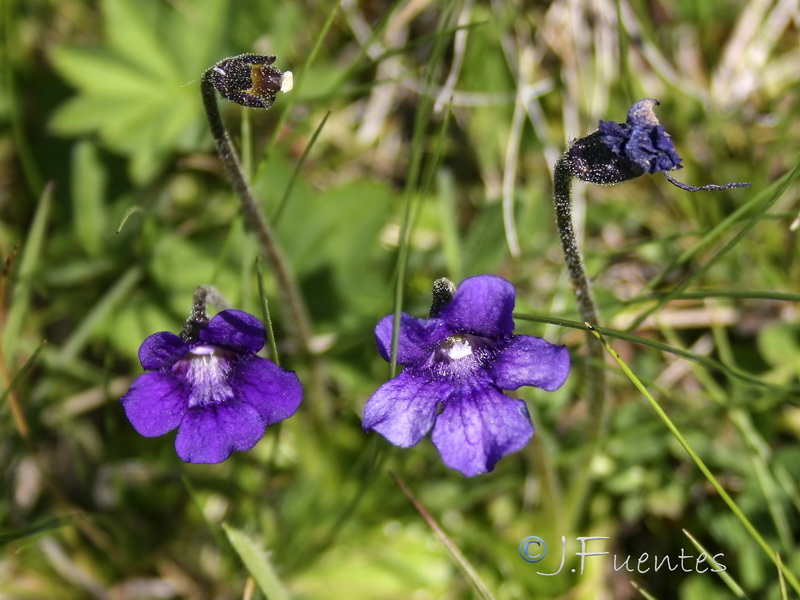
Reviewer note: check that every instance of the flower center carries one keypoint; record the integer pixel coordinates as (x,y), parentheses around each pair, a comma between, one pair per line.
(462,354)
(206,369)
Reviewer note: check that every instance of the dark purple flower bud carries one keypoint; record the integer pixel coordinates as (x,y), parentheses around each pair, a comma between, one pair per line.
(250,80)
(211,387)
(456,366)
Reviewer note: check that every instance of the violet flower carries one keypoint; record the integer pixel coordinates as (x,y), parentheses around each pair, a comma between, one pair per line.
(211,387)
(456,364)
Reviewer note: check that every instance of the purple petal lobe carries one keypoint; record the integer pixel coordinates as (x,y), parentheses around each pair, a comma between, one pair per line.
(235,330)
(478,427)
(162,349)
(274,392)
(404,408)
(417,339)
(528,360)
(210,434)
(155,403)
(482,305)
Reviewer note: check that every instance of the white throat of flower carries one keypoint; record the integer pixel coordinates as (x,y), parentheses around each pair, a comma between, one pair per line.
(207,372)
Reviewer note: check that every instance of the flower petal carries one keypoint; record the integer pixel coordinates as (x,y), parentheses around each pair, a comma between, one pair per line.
(478,428)
(417,339)
(482,305)
(210,434)
(403,409)
(162,349)
(528,360)
(651,149)
(235,330)
(155,403)
(274,392)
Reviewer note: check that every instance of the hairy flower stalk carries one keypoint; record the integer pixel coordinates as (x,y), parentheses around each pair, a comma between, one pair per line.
(251,81)
(582,289)
(613,153)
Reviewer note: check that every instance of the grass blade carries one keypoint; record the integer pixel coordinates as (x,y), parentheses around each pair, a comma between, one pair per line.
(729,581)
(757,537)
(458,557)
(257,563)
(779,188)
(709,363)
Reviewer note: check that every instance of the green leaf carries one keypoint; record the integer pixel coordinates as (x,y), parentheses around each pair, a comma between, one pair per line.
(139,91)
(258,564)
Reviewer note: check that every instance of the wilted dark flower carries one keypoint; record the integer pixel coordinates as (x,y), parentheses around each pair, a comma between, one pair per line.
(212,388)
(617,152)
(250,80)
(456,364)
(641,141)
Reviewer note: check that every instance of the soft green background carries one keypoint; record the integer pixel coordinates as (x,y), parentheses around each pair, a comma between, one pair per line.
(101,118)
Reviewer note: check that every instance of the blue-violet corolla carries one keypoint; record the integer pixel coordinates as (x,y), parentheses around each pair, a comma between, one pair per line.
(456,365)
(213,388)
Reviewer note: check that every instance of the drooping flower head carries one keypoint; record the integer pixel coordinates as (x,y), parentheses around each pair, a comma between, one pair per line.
(250,80)
(210,386)
(618,152)
(457,362)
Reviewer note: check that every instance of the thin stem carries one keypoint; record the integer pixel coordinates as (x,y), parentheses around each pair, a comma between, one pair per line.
(595,373)
(562,192)
(296,312)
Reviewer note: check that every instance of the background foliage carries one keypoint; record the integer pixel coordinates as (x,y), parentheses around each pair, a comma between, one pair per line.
(454,110)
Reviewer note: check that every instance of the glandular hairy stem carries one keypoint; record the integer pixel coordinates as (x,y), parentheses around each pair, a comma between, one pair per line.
(582,289)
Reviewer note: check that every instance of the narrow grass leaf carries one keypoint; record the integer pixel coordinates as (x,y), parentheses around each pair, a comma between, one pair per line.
(709,363)
(32,249)
(118,293)
(423,116)
(40,528)
(20,422)
(298,168)
(642,591)
(724,575)
(757,537)
(766,200)
(257,563)
(133,210)
(458,557)
(273,346)
(781,580)
(299,78)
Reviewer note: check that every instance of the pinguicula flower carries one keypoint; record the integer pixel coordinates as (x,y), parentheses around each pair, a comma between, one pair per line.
(210,386)
(457,362)
(617,152)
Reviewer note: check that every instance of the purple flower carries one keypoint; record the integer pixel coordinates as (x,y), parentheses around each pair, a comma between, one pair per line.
(213,388)
(641,140)
(456,364)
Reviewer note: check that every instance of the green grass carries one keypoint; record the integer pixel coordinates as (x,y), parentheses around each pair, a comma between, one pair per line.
(110,187)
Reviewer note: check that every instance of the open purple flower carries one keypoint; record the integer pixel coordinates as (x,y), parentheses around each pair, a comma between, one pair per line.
(456,364)
(213,388)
